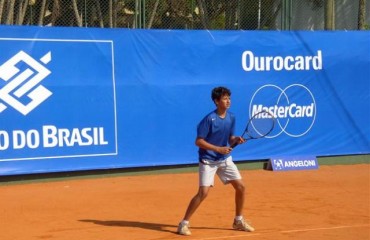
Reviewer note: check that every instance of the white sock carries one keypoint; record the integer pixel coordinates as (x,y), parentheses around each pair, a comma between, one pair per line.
(238,218)
(186,222)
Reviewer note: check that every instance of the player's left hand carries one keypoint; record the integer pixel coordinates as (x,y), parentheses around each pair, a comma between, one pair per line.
(239,140)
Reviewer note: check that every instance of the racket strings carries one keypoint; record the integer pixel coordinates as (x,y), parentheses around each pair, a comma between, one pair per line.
(260,126)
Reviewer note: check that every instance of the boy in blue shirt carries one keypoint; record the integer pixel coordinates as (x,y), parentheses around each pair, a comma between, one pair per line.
(215,134)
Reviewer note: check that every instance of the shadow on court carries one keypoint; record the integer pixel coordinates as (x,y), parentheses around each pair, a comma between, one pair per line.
(144,225)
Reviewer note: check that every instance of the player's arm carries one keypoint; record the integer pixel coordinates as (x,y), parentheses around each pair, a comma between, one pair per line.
(200,142)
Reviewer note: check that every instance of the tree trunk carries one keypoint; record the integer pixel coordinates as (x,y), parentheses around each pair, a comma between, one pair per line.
(1,10)
(269,21)
(21,6)
(115,13)
(42,13)
(330,15)
(77,15)
(152,16)
(9,19)
(110,13)
(361,14)
(100,15)
(55,12)
(203,14)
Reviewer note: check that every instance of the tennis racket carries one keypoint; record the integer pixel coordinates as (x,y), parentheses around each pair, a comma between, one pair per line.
(259,126)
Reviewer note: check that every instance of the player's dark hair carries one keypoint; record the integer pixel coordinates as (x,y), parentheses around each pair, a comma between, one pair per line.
(218,92)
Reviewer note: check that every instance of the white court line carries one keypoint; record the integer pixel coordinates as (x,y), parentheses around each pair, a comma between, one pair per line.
(327,228)
(228,237)
(286,231)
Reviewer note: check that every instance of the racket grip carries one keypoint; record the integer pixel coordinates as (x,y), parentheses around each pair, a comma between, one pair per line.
(234,145)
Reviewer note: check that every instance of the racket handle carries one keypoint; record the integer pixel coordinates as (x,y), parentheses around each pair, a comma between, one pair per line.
(234,145)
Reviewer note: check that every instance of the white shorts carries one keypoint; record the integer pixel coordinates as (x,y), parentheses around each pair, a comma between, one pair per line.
(225,169)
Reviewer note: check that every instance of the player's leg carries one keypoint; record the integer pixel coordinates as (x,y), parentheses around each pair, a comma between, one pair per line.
(239,196)
(239,221)
(206,181)
(229,173)
(196,201)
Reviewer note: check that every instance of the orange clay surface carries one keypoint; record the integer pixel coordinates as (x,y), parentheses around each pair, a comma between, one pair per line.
(329,203)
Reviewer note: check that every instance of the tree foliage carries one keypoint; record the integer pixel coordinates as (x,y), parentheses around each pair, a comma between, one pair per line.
(160,14)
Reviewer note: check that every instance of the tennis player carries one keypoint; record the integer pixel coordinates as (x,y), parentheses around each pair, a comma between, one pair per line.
(215,134)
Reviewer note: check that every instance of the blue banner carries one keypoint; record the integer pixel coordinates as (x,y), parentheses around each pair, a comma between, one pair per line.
(79,99)
(294,163)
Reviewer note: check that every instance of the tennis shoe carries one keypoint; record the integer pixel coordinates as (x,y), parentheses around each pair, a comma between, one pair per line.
(183,229)
(242,225)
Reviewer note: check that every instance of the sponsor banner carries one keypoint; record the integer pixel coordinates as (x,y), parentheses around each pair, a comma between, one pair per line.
(86,98)
(294,163)
(51,102)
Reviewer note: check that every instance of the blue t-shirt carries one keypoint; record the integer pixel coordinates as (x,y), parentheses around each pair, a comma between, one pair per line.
(217,131)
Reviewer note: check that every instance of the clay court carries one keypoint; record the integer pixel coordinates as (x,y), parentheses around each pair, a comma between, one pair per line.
(332,202)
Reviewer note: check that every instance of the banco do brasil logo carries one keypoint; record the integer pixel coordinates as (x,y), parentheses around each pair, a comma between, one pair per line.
(294,108)
(20,78)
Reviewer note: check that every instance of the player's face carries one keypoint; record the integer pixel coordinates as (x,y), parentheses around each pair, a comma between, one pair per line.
(224,102)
